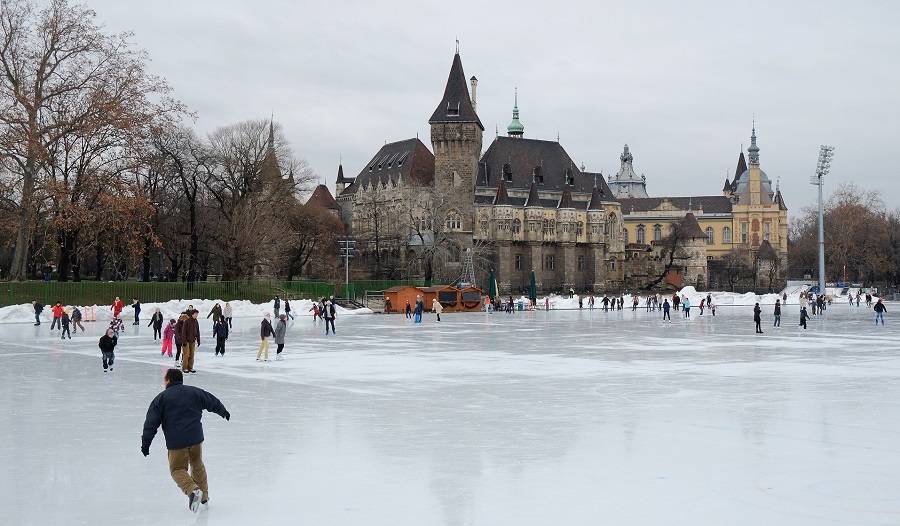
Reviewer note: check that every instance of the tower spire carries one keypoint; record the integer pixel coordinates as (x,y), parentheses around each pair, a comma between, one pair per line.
(515,128)
(271,142)
(753,150)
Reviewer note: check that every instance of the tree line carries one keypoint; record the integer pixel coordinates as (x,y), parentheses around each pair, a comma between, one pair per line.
(102,174)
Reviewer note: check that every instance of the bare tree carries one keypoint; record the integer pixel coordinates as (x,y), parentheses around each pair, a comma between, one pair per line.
(60,74)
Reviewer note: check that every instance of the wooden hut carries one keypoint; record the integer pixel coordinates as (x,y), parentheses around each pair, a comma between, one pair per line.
(447,295)
(470,299)
(395,298)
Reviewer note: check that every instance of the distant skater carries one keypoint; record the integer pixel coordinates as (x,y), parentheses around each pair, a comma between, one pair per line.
(665,309)
(117,306)
(803,316)
(64,320)
(38,308)
(57,311)
(417,313)
(167,337)
(329,313)
(136,305)
(287,309)
(777,314)
(276,306)
(757,318)
(265,331)
(280,331)
(437,308)
(220,333)
(228,312)
(879,309)
(179,409)
(76,320)
(156,321)
(408,310)
(107,346)
(686,304)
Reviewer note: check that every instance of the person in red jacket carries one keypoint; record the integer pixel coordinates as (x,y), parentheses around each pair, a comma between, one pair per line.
(57,316)
(117,307)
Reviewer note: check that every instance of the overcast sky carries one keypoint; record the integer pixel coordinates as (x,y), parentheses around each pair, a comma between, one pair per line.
(678,81)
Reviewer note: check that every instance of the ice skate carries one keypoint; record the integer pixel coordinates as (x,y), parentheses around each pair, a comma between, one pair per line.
(194,500)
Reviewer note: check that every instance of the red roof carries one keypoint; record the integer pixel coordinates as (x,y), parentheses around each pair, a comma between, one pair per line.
(321,197)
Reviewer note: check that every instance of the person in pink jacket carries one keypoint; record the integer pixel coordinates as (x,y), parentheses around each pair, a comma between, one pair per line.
(168,334)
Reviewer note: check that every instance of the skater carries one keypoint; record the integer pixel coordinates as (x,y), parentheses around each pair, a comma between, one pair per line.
(167,337)
(702,305)
(634,303)
(107,347)
(438,308)
(315,310)
(38,308)
(857,298)
(675,301)
(757,318)
(879,309)
(190,339)
(803,316)
(687,307)
(784,297)
(227,312)
(156,321)
(277,305)
(591,302)
(220,332)
(649,303)
(420,306)
(408,310)
(76,320)
(510,307)
(117,307)
(287,309)
(265,330)
(183,317)
(605,303)
(136,305)
(777,314)
(117,326)
(621,302)
(868,299)
(280,330)
(329,313)
(665,308)
(215,312)
(64,321)
(179,409)
(57,311)
(580,302)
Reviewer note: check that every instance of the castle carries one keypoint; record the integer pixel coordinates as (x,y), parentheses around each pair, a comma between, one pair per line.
(525,206)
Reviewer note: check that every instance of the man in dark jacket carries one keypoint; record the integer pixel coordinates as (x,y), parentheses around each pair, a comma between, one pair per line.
(757,318)
(179,409)
(38,308)
(220,331)
(107,349)
(879,309)
(190,339)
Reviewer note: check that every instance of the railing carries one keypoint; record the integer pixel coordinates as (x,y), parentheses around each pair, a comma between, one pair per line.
(103,292)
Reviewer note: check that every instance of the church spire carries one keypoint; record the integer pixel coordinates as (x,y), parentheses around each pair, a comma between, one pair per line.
(753,150)
(515,128)
(456,105)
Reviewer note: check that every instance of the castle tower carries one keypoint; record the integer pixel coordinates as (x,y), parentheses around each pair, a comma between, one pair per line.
(456,134)
(516,128)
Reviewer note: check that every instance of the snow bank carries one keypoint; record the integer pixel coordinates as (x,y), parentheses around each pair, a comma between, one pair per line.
(170,309)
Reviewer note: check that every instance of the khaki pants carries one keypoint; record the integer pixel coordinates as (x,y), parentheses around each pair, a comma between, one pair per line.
(180,460)
(187,359)
(263,349)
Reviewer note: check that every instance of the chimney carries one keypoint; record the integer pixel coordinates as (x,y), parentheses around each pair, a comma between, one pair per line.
(474,82)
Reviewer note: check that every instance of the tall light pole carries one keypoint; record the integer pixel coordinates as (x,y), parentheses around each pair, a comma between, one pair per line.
(822,167)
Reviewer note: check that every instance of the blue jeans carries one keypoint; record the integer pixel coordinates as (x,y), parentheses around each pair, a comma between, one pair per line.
(879,316)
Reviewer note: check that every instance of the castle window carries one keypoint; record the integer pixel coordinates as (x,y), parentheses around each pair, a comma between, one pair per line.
(549,262)
(710,236)
(767,230)
(726,235)
(579,228)
(452,111)
(519,262)
(516,226)
(538,175)
(484,225)
(624,236)
(640,235)
(745,232)
(454,222)
(570,177)
(487,174)
(580,263)
(657,232)
(507,172)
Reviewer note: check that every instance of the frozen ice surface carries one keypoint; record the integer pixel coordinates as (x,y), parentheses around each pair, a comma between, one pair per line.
(559,418)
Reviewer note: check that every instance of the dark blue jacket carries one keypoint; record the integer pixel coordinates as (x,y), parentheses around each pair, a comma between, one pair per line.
(220,329)
(179,408)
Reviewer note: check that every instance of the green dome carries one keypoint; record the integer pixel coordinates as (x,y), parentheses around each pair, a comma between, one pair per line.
(515,126)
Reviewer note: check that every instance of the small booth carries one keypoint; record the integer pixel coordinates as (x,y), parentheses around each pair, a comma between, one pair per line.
(447,295)
(395,298)
(470,299)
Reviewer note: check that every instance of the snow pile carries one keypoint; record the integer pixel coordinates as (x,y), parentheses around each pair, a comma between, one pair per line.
(170,310)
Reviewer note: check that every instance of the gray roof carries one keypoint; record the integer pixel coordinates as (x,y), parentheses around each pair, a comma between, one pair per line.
(522,156)
(711,204)
(410,159)
(455,106)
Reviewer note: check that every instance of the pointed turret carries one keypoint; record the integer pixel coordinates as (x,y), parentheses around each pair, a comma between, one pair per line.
(456,105)
(341,182)
(779,199)
(766,251)
(270,171)
(515,128)
(690,228)
(501,197)
(596,199)
(753,150)
(565,200)
(533,198)
(739,170)
(727,188)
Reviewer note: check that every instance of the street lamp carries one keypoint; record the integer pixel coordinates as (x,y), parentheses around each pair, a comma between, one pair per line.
(822,168)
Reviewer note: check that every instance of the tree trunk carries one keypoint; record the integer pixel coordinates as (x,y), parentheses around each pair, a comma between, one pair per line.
(66,250)
(98,260)
(18,268)
(195,245)
(145,260)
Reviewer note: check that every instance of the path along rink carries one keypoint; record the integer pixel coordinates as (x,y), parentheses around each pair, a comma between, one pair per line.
(567,417)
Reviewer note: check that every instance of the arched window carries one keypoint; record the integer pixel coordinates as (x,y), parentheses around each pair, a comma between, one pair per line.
(624,236)
(726,235)
(507,172)
(611,224)
(516,226)
(454,222)
(710,237)
(640,235)
(657,232)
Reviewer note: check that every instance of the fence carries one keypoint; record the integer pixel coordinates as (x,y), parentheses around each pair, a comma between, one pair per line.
(103,292)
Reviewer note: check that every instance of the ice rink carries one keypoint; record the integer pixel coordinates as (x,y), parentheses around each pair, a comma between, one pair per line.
(560,418)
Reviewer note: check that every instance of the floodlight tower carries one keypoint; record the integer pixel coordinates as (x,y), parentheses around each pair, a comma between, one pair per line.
(822,168)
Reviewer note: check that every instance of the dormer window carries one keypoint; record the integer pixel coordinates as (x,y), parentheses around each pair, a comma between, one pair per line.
(570,177)
(538,175)
(452,110)
(402,158)
(507,172)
